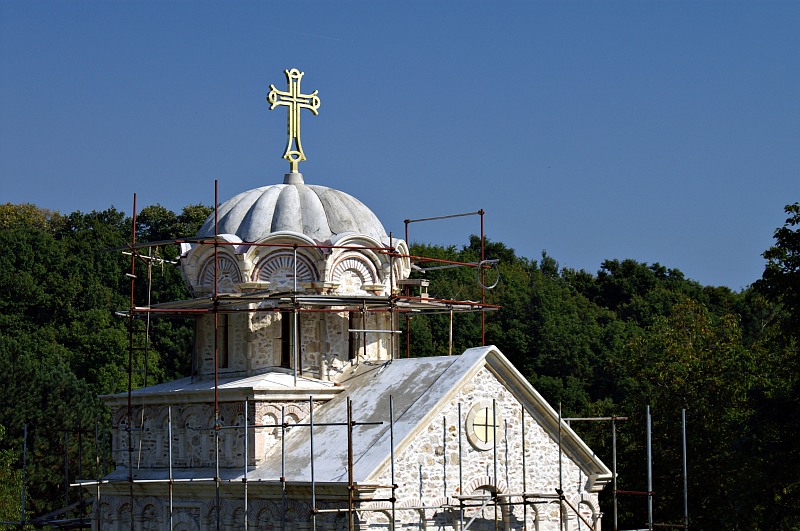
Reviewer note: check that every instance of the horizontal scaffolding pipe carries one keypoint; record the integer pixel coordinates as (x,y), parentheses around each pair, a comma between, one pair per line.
(575,419)
(445,261)
(354,305)
(476,213)
(212,241)
(276,481)
(367,330)
(307,424)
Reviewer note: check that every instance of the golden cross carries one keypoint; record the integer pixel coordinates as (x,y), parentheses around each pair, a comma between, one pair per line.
(294,100)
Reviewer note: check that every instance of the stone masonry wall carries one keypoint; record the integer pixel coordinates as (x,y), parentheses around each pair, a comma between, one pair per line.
(193,444)
(324,342)
(427,471)
(199,512)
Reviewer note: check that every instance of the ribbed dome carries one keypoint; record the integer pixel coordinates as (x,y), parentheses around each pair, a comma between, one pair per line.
(315,211)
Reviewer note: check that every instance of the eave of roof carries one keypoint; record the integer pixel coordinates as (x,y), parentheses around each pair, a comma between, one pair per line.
(276,384)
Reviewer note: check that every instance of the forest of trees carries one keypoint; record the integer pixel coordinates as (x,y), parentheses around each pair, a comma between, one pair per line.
(600,344)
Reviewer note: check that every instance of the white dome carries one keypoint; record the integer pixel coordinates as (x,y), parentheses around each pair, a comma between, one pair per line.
(315,211)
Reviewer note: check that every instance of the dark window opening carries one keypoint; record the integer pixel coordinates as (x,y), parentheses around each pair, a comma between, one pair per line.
(223,341)
(355,322)
(287,338)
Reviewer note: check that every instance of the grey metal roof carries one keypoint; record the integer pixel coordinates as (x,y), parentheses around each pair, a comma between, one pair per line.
(316,211)
(417,385)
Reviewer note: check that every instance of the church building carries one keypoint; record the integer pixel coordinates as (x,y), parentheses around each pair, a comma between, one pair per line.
(303,412)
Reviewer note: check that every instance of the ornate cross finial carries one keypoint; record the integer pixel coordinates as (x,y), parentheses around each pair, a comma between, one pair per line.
(295,100)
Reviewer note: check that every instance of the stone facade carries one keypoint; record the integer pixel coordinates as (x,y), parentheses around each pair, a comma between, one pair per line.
(251,343)
(444,464)
(435,468)
(190,513)
(193,443)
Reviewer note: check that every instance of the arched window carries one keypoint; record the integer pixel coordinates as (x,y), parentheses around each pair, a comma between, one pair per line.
(352,273)
(228,274)
(278,268)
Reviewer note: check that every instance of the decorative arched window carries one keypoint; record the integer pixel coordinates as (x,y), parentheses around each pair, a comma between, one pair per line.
(228,274)
(352,273)
(278,269)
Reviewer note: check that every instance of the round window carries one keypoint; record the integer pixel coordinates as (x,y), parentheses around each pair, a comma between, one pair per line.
(482,424)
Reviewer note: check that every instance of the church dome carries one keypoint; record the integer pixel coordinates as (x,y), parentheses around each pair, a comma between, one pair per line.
(317,212)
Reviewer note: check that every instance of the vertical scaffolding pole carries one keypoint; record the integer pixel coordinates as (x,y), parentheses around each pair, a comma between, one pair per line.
(614,465)
(560,475)
(217,425)
(649,472)
(483,283)
(313,483)
(171,478)
(408,336)
(444,455)
(494,456)
(97,470)
(294,266)
(450,337)
(365,323)
(392,309)
(524,471)
(350,511)
(246,461)
(283,468)
(132,276)
(391,449)
(146,352)
(505,449)
(460,472)
(685,474)
(295,350)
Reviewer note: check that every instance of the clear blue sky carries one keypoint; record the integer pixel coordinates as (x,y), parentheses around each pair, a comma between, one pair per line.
(660,131)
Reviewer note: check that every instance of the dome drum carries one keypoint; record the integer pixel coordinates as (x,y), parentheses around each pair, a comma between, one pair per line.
(347,269)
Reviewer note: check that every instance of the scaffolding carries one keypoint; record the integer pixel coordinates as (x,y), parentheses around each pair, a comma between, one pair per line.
(458,505)
(466,508)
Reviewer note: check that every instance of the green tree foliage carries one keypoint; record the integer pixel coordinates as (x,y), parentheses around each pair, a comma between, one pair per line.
(772,430)
(60,340)
(781,279)
(10,484)
(696,361)
(28,215)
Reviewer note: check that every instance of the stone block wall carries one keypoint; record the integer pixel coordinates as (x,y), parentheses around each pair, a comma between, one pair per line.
(199,513)
(193,444)
(433,467)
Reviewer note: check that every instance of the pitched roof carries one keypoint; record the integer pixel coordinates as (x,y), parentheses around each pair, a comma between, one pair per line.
(418,387)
